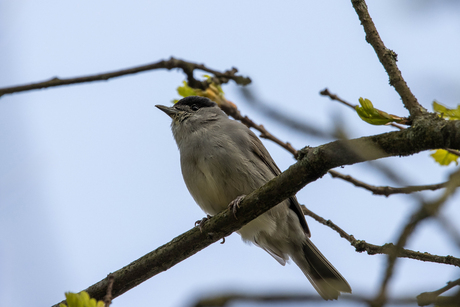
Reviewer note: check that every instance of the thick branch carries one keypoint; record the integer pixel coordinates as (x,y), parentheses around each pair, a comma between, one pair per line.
(388,59)
(313,163)
(187,67)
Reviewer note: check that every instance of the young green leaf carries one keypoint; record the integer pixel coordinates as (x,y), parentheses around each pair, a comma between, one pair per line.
(213,92)
(374,116)
(452,114)
(81,299)
(443,157)
(186,90)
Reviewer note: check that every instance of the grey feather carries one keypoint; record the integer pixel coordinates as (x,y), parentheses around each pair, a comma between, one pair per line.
(222,159)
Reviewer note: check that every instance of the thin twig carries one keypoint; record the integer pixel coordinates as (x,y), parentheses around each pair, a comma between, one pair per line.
(232,110)
(427,298)
(108,297)
(326,92)
(229,298)
(425,211)
(282,117)
(372,249)
(388,59)
(449,227)
(386,190)
(187,67)
(453,151)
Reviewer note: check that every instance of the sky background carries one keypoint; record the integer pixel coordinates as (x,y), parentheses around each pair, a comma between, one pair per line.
(90,177)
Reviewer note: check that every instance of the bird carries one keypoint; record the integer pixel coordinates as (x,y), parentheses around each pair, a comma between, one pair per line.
(221,161)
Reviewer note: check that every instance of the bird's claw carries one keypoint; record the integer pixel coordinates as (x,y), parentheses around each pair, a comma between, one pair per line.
(202,221)
(235,204)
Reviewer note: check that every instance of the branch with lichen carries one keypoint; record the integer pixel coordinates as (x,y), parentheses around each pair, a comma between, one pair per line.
(388,59)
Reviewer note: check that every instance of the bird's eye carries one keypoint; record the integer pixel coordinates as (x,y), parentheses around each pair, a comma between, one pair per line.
(194,107)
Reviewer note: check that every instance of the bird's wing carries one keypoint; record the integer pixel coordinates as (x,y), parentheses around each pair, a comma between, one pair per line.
(262,153)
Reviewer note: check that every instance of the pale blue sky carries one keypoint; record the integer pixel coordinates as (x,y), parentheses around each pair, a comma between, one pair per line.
(89,173)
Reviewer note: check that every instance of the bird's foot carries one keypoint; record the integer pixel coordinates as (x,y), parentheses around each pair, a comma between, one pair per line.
(202,221)
(235,204)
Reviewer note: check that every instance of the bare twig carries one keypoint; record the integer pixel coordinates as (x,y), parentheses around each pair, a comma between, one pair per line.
(386,190)
(229,298)
(453,151)
(427,298)
(283,118)
(326,92)
(232,110)
(187,68)
(449,227)
(108,297)
(388,59)
(425,211)
(372,249)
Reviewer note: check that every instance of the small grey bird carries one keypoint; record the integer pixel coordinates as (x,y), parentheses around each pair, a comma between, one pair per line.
(221,160)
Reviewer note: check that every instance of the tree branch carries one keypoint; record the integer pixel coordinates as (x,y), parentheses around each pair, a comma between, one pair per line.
(187,68)
(283,118)
(427,298)
(372,249)
(313,163)
(232,110)
(229,298)
(425,211)
(326,92)
(387,191)
(388,59)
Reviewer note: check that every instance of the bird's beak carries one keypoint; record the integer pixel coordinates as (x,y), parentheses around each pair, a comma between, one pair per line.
(172,112)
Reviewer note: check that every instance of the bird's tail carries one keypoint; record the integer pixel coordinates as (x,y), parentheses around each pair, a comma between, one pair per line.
(323,276)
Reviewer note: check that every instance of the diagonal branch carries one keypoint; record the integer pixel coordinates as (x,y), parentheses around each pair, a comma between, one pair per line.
(388,59)
(326,92)
(312,164)
(428,298)
(187,68)
(425,211)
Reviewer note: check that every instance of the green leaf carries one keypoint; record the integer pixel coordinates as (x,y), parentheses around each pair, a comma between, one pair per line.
(374,116)
(451,114)
(443,157)
(186,90)
(81,299)
(213,92)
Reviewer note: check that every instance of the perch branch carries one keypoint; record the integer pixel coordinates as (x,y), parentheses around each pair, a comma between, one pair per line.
(312,164)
